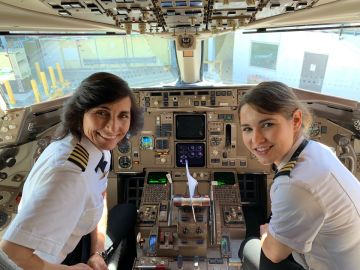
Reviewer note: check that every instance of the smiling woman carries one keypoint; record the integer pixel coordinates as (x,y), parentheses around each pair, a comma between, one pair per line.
(106,125)
(309,178)
(96,91)
(272,119)
(70,178)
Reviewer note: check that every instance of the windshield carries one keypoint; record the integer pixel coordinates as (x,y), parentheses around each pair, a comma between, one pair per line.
(34,68)
(324,61)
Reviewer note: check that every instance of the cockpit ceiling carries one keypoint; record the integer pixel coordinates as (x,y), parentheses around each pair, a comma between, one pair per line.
(170,16)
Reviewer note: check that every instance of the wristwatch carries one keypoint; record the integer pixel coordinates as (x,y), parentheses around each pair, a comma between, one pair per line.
(103,254)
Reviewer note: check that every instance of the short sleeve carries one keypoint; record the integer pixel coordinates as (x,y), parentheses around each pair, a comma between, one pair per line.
(296,216)
(48,218)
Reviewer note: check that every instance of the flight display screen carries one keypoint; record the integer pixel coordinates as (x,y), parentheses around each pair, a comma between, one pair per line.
(190,126)
(157,178)
(194,153)
(224,178)
(147,143)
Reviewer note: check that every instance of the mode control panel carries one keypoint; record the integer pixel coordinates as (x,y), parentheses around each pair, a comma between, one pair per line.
(160,98)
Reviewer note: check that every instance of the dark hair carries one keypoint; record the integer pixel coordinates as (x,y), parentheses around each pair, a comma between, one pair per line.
(99,88)
(276,97)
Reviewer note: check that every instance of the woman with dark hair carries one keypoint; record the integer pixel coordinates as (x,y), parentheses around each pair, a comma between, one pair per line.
(315,199)
(62,217)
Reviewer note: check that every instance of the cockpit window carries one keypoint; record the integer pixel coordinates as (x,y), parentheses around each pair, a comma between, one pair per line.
(324,61)
(34,68)
(37,68)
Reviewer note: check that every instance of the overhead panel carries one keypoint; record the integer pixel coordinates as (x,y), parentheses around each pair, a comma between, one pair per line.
(176,16)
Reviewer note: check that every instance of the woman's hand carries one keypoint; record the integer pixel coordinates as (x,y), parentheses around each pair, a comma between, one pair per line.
(97,262)
(264,228)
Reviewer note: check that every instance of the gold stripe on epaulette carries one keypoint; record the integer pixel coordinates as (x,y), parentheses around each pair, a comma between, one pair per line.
(79,156)
(285,170)
(82,150)
(289,165)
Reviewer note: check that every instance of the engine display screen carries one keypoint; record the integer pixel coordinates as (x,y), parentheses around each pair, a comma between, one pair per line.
(224,178)
(157,178)
(190,126)
(194,153)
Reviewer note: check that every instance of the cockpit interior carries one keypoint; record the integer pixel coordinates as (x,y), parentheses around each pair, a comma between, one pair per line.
(188,62)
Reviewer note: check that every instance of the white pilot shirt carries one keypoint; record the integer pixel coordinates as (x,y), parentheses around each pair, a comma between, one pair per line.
(60,201)
(316,210)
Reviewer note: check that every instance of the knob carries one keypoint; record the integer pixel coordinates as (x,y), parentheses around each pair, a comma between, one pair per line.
(3,175)
(10,161)
(17,178)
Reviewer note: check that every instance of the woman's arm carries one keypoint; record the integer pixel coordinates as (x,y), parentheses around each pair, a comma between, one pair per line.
(273,249)
(98,241)
(26,259)
(296,219)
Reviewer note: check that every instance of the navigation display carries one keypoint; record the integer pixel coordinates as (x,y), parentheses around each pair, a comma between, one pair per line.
(190,126)
(194,153)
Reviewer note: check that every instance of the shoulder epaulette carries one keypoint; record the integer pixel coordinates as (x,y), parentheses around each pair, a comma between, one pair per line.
(286,170)
(79,156)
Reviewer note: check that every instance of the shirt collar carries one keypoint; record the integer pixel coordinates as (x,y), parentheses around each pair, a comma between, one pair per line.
(291,152)
(95,153)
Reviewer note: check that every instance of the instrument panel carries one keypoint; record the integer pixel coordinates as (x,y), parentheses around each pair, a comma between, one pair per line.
(203,126)
(200,125)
